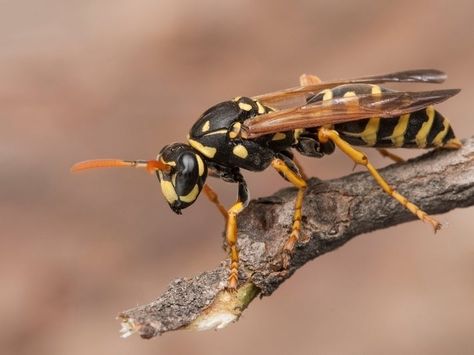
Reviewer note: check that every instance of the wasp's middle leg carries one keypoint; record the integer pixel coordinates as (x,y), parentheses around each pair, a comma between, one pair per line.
(286,167)
(325,134)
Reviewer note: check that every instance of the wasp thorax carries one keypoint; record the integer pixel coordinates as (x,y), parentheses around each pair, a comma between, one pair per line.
(182,184)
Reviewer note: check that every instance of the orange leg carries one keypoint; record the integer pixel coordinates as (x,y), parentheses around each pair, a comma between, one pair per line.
(300,183)
(300,169)
(212,196)
(231,236)
(325,134)
(388,154)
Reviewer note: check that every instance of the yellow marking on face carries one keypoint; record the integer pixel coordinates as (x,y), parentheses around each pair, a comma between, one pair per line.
(206,151)
(237,98)
(422,134)
(369,135)
(200,165)
(376,89)
(220,131)
(240,151)
(327,94)
(261,109)
(235,130)
(245,107)
(173,179)
(278,136)
(206,126)
(191,196)
(168,191)
(350,94)
(398,134)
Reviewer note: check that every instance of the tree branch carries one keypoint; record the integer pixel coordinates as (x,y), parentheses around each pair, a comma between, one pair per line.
(333,212)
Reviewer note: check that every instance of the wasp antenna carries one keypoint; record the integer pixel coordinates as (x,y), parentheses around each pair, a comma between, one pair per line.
(150,165)
(153,165)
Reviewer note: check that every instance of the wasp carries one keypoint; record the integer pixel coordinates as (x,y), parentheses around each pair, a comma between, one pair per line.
(253,133)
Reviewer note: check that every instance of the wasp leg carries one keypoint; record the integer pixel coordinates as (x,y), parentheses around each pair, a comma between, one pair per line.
(325,134)
(212,196)
(284,168)
(300,169)
(231,233)
(388,154)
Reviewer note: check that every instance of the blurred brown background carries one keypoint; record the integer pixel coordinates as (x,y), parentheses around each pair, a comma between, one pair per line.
(87,79)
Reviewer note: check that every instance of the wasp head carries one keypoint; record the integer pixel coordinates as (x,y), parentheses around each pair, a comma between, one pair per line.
(183,181)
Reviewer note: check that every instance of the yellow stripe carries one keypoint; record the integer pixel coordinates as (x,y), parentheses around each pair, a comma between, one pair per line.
(200,165)
(240,151)
(438,139)
(235,130)
(206,126)
(278,136)
(206,151)
(425,128)
(168,191)
(191,196)
(398,134)
(261,109)
(245,107)
(376,89)
(369,135)
(220,131)
(327,94)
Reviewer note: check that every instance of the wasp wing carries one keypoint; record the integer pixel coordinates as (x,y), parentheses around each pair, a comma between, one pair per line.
(297,96)
(343,109)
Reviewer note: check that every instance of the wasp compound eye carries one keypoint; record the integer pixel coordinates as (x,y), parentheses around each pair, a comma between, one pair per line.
(183,183)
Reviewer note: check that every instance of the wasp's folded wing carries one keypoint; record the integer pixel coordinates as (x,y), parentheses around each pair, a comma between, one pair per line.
(297,96)
(343,109)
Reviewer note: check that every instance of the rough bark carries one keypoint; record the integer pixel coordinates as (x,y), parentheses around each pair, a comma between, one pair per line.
(334,212)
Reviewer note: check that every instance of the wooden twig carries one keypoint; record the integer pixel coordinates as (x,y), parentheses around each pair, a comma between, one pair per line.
(334,212)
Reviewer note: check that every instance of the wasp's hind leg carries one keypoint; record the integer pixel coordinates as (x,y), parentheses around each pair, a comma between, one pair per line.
(360,158)
(387,154)
(287,168)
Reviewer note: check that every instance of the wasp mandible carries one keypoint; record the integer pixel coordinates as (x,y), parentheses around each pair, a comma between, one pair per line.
(314,118)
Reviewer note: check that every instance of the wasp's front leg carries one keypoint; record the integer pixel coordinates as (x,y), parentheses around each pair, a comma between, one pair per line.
(231,232)
(288,169)
(212,196)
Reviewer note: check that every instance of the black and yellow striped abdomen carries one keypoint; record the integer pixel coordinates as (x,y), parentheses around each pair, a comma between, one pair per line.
(425,128)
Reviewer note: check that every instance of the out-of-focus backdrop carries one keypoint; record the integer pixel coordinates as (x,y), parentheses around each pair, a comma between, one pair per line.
(88,79)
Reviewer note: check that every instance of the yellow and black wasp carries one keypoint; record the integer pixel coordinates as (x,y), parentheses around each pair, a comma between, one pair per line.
(314,118)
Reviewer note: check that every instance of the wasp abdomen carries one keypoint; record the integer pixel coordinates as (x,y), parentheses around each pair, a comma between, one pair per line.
(420,129)
(425,128)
